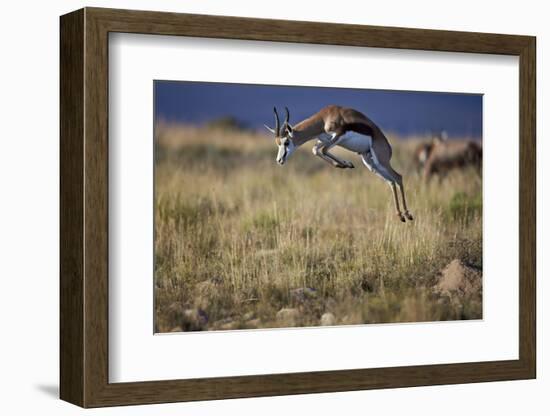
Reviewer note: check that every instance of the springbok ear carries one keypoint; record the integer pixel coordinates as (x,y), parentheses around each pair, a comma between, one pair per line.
(269,128)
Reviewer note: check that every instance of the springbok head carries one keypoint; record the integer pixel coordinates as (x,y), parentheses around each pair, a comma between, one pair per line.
(283,137)
(440,137)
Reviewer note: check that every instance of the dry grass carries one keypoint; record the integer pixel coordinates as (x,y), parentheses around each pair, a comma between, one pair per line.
(238,238)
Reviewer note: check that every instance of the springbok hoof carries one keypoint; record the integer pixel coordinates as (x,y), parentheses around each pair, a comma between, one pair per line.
(409,216)
(401,217)
(350,165)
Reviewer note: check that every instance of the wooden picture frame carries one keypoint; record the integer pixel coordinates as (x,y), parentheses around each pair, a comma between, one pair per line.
(84,207)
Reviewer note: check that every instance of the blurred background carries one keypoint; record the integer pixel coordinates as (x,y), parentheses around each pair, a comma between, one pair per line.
(404,113)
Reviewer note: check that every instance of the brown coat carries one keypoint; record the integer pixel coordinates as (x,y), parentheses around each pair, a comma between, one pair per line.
(447,155)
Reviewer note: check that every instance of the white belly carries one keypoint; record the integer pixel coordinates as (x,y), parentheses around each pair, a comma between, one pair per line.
(352,141)
(355,142)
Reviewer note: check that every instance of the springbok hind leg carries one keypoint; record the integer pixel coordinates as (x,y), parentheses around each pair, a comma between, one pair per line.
(371,162)
(406,212)
(396,201)
(399,180)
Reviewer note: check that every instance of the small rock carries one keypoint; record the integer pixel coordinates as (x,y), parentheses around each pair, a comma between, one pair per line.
(328,319)
(253,323)
(353,318)
(229,325)
(288,316)
(194,320)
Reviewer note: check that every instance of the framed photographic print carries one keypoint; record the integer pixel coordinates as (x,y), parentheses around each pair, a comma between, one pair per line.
(255,207)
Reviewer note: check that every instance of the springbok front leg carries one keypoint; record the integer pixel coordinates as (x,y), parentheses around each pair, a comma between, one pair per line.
(318,150)
(321,149)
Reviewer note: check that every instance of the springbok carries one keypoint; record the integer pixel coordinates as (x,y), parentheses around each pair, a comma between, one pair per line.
(421,154)
(348,128)
(442,155)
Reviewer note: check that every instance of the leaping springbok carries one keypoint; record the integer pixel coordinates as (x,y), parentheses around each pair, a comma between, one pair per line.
(347,128)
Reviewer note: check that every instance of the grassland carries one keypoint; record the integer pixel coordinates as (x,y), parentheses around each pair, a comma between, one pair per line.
(241,242)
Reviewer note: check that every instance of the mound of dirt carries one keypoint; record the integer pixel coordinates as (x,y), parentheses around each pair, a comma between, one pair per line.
(459,279)
(288,316)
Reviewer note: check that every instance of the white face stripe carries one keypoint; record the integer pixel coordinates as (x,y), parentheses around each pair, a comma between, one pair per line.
(284,152)
(281,153)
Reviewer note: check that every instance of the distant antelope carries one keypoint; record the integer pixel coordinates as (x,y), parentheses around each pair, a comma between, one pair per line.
(421,154)
(442,155)
(347,128)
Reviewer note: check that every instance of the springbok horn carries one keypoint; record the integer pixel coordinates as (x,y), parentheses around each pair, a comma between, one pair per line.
(277,122)
(287,118)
